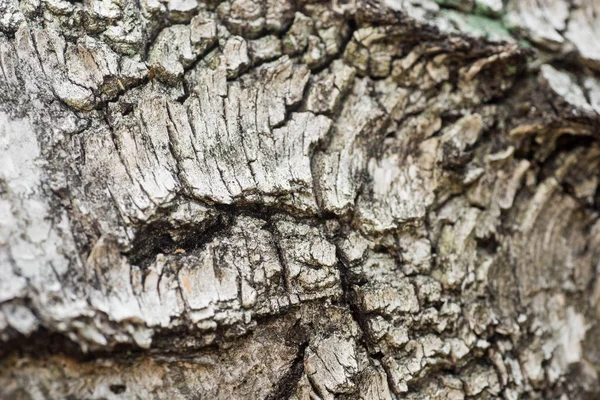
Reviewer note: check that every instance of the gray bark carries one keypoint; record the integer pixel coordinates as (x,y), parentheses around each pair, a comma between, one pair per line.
(282,199)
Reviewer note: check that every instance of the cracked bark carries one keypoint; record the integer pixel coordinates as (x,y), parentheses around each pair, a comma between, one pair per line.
(288,199)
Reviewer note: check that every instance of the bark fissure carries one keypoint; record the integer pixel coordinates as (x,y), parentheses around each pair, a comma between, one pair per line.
(289,199)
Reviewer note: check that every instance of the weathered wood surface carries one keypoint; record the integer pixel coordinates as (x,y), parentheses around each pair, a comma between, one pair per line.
(295,199)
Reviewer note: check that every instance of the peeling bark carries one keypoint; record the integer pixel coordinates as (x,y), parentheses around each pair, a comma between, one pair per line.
(301,200)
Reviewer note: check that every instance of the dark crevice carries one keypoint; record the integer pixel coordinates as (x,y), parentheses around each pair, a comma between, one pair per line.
(104,105)
(186,86)
(44,342)
(352,28)
(285,271)
(162,237)
(349,298)
(184,342)
(118,389)
(286,386)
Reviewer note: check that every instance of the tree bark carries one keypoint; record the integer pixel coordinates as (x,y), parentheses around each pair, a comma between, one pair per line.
(291,199)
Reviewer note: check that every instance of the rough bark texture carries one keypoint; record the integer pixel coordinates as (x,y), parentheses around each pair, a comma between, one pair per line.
(278,199)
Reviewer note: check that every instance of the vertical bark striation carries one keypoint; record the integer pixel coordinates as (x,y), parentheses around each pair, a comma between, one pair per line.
(293,199)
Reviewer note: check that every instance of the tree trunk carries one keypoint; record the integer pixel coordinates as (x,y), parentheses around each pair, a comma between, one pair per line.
(291,199)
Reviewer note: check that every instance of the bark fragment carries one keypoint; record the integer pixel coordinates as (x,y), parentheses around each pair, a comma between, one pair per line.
(285,199)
